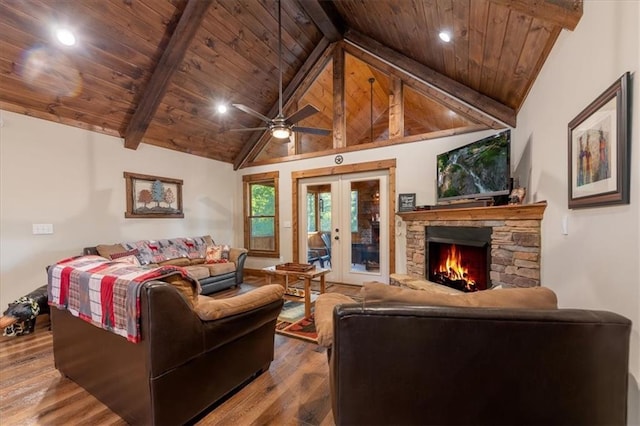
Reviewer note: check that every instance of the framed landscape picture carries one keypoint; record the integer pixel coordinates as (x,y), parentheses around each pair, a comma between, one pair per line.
(599,150)
(153,196)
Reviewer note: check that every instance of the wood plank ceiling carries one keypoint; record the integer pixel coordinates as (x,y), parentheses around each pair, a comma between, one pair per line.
(154,71)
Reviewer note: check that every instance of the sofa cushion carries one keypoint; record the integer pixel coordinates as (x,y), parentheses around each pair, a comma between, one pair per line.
(325,304)
(195,247)
(209,308)
(220,268)
(198,272)
(180,261)
(148,251)
(530,297)
(106,250)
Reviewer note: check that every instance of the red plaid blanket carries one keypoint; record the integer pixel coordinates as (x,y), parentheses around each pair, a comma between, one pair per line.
(103,292)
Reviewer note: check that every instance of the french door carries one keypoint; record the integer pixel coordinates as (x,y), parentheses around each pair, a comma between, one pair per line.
(344,225)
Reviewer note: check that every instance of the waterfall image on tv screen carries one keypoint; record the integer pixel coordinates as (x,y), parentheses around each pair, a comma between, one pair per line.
(479,169)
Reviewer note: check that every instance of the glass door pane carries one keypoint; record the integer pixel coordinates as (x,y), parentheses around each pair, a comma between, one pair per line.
(319,216)
(365,225)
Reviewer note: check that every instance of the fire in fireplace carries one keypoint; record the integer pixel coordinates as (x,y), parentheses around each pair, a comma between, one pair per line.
(458,257)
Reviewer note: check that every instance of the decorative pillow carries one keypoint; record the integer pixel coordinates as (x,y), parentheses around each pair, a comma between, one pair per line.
(209,308)
(225,251)
(325,305)
(527,298)
(214,254)
(115,256)
(106,250)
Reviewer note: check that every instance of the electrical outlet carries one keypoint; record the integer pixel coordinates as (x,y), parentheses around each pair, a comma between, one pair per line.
(42,228)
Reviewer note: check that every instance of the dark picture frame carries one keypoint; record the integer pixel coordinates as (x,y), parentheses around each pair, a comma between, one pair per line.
(599,150)
(406,202)
(153,197)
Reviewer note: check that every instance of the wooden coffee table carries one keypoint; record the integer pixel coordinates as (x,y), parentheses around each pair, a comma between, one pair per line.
(307,276)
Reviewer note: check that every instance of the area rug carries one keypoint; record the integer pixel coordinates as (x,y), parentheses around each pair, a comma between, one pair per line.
(304,329)
(293,310)
(292,323)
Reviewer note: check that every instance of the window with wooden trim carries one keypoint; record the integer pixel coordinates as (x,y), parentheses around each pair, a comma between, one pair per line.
(261,214)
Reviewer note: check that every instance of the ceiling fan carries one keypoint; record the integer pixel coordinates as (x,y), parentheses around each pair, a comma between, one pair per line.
(281,127)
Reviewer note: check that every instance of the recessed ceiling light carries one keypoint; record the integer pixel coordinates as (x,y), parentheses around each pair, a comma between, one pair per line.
(445,36)
(222,108)
(65,36)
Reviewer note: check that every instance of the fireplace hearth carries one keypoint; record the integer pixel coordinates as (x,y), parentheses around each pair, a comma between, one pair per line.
(458,256)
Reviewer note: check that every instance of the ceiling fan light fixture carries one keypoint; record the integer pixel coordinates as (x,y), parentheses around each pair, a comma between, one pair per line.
(281,132)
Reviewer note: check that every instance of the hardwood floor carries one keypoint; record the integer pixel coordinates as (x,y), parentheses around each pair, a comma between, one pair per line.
(295,390)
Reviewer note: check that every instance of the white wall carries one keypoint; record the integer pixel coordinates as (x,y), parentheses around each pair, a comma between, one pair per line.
(597,265)
(73,179)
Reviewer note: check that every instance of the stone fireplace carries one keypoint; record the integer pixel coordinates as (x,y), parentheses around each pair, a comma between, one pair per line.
(513,246)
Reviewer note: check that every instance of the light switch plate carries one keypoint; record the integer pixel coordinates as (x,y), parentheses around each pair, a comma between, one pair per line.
(42,228)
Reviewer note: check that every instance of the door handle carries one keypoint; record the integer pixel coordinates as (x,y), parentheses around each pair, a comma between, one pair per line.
(336,238)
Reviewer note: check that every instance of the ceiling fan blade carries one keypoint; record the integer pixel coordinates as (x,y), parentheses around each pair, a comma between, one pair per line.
(246,129)
(253,112)
(311,130)
(302,113)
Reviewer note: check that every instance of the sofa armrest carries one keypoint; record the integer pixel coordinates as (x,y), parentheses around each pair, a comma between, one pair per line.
(325,305)
(235,254)
(238,256)
(209,308)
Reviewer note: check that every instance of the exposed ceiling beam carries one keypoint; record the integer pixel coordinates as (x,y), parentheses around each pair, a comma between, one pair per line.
(188,25)
(303,78)
(443,83)
(326,18)
(565,13)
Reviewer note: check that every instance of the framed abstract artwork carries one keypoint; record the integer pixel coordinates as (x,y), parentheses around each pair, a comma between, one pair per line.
(153,196)
(599,150)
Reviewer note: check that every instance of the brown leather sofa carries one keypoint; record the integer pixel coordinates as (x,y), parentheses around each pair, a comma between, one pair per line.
(181,366)
(398,364)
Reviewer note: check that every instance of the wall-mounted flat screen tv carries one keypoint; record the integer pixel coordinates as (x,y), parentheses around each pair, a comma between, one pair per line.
(479,169)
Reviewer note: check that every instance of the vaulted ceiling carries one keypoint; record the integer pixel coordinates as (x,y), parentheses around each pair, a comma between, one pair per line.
(154,71)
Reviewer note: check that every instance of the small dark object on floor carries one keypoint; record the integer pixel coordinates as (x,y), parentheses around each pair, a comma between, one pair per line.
(20,317)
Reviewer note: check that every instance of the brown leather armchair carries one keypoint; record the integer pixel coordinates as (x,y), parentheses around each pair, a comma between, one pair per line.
(419,365)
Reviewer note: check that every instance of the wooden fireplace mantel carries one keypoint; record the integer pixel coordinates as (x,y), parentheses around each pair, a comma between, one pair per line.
(509,212)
